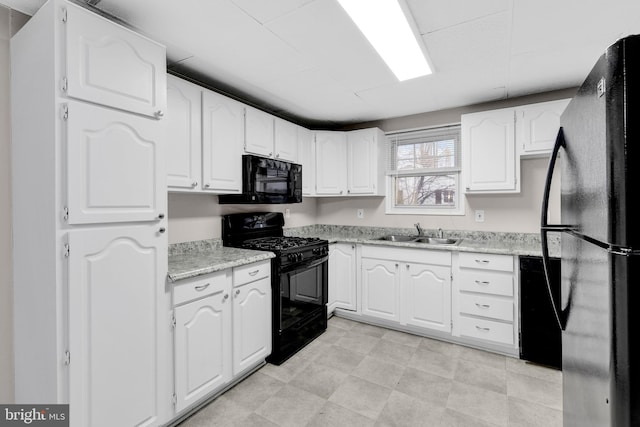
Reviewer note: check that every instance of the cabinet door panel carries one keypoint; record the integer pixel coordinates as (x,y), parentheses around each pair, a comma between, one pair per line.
(307,158)
(331,163)
(115,164)
(427,296)
(538,126)
(117,326)
(362,161)
(286,141)
(202,347)
(251,324)
(259,132)
(222,136)
(380,289)
(111,65)
(342,276)
(183,134)
(489,143)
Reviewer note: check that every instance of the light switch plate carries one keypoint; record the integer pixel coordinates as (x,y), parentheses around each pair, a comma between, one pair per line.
(479,215)
(360,213)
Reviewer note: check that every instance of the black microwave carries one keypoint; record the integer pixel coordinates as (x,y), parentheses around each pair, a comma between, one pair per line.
(267,180)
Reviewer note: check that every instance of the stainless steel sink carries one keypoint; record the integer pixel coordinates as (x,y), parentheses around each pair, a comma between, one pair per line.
(420,239)
(437,240)
(398,238)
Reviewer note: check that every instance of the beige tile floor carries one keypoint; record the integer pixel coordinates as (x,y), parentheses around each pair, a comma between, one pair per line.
(361,375)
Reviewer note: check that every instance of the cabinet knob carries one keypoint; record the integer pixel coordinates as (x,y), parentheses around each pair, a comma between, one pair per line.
(237,292)
(207,186)
(162,230)
(341,191)
(161,216)
(194,184)
(396,264)
(225,297)
(348,191)
(271,154)
(159,114)
(278,155)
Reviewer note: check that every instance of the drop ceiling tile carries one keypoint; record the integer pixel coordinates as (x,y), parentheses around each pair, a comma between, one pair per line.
(265,11)
(548,24)
(315,94)
(433,15)
(552,69)
(480,44)
(438,91)
(323,33)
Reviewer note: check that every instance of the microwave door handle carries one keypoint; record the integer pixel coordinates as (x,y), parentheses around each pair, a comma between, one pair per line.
(545,227)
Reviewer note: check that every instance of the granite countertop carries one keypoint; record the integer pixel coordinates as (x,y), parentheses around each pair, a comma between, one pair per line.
(193,259)
(519,244)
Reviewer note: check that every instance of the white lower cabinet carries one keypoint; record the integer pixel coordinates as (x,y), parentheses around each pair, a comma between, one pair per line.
(251,323)
(116,318)
(381,289)
(485,300)
(342,277)
(407,286)
(202,337)
(222,330)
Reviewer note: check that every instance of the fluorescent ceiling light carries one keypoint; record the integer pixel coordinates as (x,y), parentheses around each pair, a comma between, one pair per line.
(386,27)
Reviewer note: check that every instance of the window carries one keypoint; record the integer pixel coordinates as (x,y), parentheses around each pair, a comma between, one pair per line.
(423,175)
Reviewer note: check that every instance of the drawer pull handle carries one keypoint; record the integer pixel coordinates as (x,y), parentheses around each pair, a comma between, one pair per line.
(202,287)
(254,272)
(483,305)
(481,282)
(482,329)
(482,261)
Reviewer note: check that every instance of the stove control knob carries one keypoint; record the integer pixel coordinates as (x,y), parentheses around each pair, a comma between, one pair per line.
(291,257)
(299,257)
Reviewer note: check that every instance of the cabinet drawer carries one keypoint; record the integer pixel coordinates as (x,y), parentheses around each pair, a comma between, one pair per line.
(486,306)
(486,330)
(486,261)
(198,287)
(250,272)
(486,282)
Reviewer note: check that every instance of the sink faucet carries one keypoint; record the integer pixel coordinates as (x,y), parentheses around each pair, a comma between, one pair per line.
(420,231)
(440,233)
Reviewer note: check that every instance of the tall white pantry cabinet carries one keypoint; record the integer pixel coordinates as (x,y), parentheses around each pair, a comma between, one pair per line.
(89,215)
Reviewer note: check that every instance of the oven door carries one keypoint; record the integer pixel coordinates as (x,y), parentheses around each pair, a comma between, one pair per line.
(303,291)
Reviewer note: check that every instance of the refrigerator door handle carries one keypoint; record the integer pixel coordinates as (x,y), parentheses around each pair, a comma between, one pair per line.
(545,227)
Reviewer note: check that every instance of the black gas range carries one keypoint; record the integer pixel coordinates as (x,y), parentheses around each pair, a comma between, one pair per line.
(299,278)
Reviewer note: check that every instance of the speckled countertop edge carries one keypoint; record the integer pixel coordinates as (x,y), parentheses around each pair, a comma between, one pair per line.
(192,259)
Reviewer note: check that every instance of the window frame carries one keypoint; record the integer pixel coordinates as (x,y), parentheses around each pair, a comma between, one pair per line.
(390,202)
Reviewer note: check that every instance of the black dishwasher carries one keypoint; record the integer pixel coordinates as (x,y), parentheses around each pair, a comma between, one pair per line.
(540,334)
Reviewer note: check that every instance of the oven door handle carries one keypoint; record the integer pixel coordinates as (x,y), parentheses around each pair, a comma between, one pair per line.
(306,264)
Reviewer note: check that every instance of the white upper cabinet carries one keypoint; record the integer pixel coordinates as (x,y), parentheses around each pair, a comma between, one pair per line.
(222,139)
(331,163)
(135,81)
(286,140)
(183,127)
(112,166)
(270,136)
(488,140)
(537,126)
(307,158)
(365,162)
(259,136)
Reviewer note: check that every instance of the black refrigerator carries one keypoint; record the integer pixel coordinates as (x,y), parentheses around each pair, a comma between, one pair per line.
(597,153)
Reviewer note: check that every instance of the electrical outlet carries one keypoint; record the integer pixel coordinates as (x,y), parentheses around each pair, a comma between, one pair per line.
(479,215)
(287,213)
(360,213)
